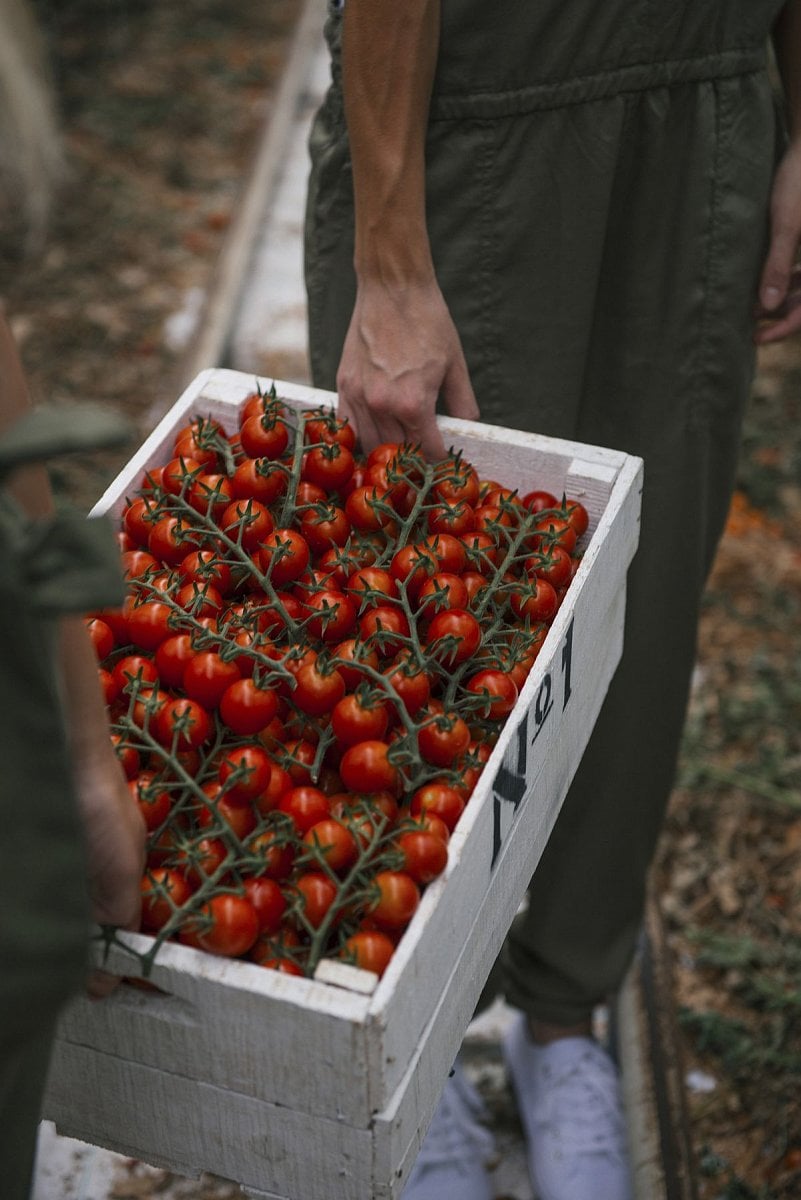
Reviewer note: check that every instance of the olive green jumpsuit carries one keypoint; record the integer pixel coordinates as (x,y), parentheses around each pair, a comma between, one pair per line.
(598,178)
(65,564)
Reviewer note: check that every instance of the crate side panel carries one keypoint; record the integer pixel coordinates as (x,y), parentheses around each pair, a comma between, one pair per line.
(236,1025)
(190,1127)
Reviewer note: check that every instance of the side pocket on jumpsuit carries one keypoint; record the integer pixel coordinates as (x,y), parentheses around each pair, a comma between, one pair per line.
(328,236)
(739,191)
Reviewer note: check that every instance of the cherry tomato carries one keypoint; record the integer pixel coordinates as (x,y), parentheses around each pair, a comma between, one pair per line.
(451,518)
(199,440)
(334,614)
(412,565)
(316,893)
(442,591)
(536,600)
(225,815)
(127,754)
(199,599)
(260,479)
(149,623)
(359,718)
(453,636)
(210,494)
(498,690)
(164,891)
(268,902)
(317,690)
(227,924)
(326,427)
(386,627)
(443,738)
(101,637)
(178,474)
(397,897)
(553,530)
(206,566)
(369,949)
(153,800)
(284,556)
(448,551)
(274,853)
(368,509)
(131,671)
(370,586)
(246,708)
(425,855)
(554,565)
(349,656)
(456,483)
(184,720)
(411,683)
(299,758)
(206,677)
(265,436)
(202,857)
(171,658)
(538,501)
(325,528)
(329,466)
(247,522)
(246,770)
(306,805)
(577,515)
(170,540)
(138,564)
(439,800)
(366,767)
(280,782)
(332,841)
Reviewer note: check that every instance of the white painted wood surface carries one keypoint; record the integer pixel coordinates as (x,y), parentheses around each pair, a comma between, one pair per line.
(281,1083)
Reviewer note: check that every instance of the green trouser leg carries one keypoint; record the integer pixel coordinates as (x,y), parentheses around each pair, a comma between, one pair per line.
(600,262)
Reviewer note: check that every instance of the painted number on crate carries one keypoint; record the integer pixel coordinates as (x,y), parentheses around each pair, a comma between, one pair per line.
(515,775)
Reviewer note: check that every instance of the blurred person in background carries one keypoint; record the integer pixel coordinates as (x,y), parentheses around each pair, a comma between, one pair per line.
(73,843)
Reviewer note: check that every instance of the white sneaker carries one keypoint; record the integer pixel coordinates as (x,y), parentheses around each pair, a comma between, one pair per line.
(570,1104)
(452,1161)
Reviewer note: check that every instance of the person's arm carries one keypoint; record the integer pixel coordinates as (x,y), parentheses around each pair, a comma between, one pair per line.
(402,349)
(780,283)
(113,825)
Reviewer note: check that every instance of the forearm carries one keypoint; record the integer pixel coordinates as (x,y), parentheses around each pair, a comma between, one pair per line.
(787,45)
(389,54)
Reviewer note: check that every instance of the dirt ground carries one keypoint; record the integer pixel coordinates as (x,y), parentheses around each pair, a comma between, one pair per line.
(162,106)
(729,869)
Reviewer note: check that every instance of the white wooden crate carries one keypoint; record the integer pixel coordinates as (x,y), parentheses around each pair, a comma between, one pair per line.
(321,1089)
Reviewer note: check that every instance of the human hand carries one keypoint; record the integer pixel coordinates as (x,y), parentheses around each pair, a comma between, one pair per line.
(115,849)
(779,309)
(401,351)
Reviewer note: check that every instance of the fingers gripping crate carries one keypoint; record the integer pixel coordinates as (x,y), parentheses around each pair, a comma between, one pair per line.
(308,1089)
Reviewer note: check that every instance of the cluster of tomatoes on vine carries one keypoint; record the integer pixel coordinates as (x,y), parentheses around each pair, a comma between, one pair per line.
(315,656)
